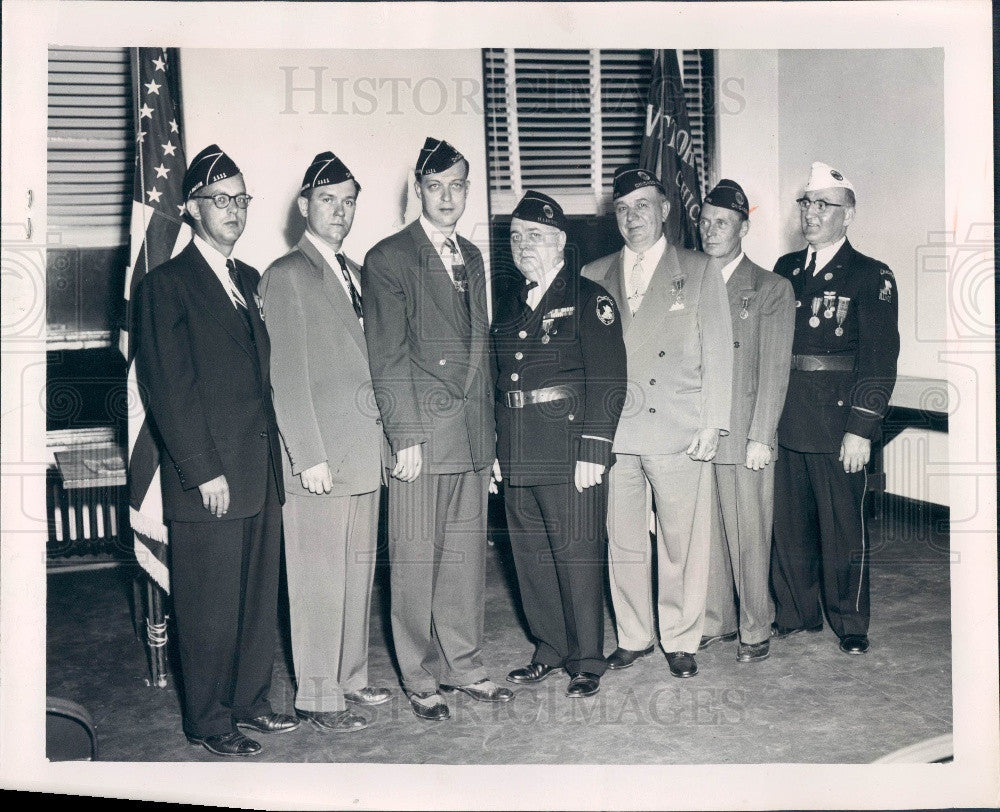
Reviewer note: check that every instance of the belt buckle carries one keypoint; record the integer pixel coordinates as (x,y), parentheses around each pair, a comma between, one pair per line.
(515,399)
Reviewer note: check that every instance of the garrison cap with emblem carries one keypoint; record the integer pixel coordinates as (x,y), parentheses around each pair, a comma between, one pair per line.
(326,169)
(630,177)
(728,194)
(536,207)
(207,167)
(436,156)
(824,176)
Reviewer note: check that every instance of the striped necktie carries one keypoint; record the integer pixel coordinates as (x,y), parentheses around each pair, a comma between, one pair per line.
(240,296)
(351,289)
(459,275)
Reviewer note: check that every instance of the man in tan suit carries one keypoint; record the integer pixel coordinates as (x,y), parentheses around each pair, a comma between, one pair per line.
(762,308)
(333,443)
(680,363)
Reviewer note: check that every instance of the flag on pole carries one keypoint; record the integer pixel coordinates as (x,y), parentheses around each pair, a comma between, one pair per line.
(668,150)
(157,233)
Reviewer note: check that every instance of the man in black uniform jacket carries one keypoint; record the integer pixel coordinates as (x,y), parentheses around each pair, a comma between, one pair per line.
(559,361)
(843,372)
(202,361)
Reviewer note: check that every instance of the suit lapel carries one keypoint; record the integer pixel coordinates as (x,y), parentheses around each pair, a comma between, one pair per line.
(477,307)
(431,273)
(614,283)
(657,300)
(741,284)
(334,290)
(214,299)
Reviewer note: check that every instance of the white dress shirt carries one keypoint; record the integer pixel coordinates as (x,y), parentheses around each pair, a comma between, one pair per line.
(824,255)
(536,293)
(218,263)
(330,256)
(438,241)
(727,272)
(635,285)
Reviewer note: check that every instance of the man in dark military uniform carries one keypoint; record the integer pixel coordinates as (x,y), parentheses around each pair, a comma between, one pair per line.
(843,372)
(559,360)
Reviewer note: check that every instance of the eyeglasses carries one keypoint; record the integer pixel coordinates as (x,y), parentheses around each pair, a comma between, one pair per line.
(820,205)
(221,200)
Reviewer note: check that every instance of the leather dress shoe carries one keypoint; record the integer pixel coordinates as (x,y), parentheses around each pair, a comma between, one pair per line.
(345,721)
(623,657)
(682,664)
(530,674)
(483,691)
(227,744)
(751,652)
(708,639)
(854,643)
(369,695)
(583,684)
(781,632)
(435,712)
(270,723)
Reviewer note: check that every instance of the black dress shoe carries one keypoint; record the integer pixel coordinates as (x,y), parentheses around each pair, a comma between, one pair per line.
(530,674)
(583,684)
(780,632)
(270,723)
(483,691)
(369,695)
(345,721)
(854,643)
(434,712)
(708,639)
(682,664)
(227,744)
(752,652)
(623,657)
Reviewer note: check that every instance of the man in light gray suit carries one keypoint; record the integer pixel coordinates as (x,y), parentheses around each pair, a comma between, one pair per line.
(333,442)
(680,365)
(762,308)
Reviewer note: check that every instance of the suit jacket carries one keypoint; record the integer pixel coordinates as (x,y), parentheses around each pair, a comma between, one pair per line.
(572,339)
(205,379)
(680,352)
(319,374)
(429,357)
(822,406)
(763,316)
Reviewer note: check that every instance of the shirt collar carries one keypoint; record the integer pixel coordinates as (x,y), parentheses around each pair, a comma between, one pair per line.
(435,236)
(825,254)
(650,257)
(727,271)
(537,293)
(325,250)
(216,260)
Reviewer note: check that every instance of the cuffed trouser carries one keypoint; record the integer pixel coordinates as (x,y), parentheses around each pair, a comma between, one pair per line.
(819,519)
(437,549)
(330,546)
(557,537)
(684,493)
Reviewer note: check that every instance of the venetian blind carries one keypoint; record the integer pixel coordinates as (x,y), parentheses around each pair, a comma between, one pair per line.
(90,146)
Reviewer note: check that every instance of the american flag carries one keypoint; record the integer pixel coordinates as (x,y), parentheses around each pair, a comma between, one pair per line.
(158,232)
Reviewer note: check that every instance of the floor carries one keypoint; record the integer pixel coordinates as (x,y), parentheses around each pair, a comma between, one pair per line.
(808,703)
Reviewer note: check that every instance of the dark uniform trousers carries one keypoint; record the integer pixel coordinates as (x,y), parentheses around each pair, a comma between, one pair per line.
(224,576)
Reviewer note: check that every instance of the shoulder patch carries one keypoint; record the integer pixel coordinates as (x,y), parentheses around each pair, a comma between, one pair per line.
(605,310)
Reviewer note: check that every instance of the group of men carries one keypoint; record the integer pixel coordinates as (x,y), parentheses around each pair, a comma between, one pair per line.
(653,378)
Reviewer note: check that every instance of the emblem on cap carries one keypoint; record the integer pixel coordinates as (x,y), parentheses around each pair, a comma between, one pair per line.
(836,175)
(643,175)
(740,200)
(547,211)
(605,310)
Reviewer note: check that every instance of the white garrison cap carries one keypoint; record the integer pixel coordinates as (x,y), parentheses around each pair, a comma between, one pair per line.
(824,176)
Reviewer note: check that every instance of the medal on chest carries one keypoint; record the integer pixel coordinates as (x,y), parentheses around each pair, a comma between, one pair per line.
(744,312)
(677,288)
(829,299)
(814,319)
(843,303)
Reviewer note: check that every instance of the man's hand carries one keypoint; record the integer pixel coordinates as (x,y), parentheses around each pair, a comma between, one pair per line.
(704,445)
(495,477)
(317,479)
(587,474)
(758,455)
(215,496)
(409,462)
(855,452)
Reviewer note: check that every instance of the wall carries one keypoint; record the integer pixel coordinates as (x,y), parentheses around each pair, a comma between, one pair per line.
(273,110)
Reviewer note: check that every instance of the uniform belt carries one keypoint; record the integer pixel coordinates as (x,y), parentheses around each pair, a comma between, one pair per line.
(518,398)
(823,363)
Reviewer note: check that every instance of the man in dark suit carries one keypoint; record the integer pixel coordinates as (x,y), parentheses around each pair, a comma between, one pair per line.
(424,293)
(843,372)
(560,372)
(202,361)
(680,362)
(332,435)
(763,314)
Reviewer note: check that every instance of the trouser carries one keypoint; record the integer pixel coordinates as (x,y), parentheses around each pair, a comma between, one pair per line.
(741,553)
(820,543)
(683,492)
(224,583)
(437,548)
(557,536)
(330,545)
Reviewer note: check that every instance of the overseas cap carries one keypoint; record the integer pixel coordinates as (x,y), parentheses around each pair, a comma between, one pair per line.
(326,169)
(436,156)
(630,177)
(824,176)
(207,167)
(728,194)
(536,207)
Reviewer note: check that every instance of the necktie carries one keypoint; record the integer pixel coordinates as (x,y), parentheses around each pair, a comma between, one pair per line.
(811,266)
(241,299)
(635,297)
(351,289)
(459,276)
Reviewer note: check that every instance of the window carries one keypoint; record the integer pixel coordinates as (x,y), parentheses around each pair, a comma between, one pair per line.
(561,121)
